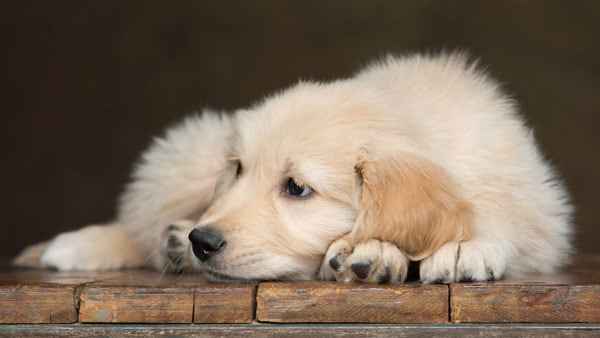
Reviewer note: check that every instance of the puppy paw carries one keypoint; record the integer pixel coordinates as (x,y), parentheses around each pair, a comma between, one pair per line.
(372,261)
(467,261)
(175,246)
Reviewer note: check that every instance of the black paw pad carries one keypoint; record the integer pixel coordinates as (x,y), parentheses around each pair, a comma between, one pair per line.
(441,281)
(361,270)
(444,278)
(386,277)
(490,275)
(336,262)
(466,276)
(466,279)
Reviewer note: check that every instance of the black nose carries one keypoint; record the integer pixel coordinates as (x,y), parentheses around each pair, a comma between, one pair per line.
(206,242)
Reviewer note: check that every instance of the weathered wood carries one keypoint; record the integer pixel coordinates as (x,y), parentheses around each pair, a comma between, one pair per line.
(330,302)
(224,303)
(525,304)
(39,303)
(149,297)
(302,330)
(568,297)
(126,304)
(140,297)
(41,296)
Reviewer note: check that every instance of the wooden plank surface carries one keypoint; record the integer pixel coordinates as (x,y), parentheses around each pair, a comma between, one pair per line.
(49,297)
(140,297)
(150,297)
(572,296)
(118,304)
(41,296)
(301,330)
(42,303)
(224,303)
(331,302)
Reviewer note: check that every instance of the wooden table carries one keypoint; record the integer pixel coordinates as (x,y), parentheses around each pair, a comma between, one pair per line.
(141,302)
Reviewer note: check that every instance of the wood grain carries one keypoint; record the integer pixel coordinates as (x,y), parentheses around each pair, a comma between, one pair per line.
(584,303)
(149,297)
(505,303)
(302,330)
(140,297)
(49,297)
(41,296)
(570,296)
(37,303)
(224,304)
(130,304)
(326,302)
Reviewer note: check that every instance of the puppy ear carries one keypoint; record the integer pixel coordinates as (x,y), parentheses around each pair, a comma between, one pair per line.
(412,203)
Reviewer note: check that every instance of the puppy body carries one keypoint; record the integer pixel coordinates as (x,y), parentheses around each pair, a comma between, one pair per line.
(423,153)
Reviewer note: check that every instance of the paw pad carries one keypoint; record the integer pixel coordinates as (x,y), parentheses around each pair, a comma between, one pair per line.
(361,270)
(387,276)
(175,246)
(464,262)
(336,262)
(372,261)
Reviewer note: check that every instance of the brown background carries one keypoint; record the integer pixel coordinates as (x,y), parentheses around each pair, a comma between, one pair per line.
(85,85)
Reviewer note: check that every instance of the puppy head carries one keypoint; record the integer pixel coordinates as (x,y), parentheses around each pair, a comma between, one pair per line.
(287,191)
(306,168)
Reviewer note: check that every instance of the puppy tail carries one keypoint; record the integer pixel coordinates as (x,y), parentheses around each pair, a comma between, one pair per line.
(30,256)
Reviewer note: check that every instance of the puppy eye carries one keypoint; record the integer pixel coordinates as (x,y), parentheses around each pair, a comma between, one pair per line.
(294,189)
(238,170)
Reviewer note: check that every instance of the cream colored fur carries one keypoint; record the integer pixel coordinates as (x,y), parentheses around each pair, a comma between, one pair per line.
(418,157)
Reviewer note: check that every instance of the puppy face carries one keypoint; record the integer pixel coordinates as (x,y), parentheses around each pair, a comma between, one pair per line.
(288,191)
(311,165)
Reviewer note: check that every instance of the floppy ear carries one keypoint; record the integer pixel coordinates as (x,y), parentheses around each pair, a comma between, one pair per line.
(412,203)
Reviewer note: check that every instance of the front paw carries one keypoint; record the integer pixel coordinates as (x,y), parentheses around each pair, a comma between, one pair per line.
(372,261)
(175,246)
(468,261)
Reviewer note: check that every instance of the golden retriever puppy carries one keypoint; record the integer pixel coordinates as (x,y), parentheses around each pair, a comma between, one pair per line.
(417,158)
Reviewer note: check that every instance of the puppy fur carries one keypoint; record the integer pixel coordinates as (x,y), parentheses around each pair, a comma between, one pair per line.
(413,158)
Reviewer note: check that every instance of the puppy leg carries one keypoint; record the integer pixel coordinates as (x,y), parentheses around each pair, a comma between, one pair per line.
(467,261)
(93,248)
(175,246)
(372,261)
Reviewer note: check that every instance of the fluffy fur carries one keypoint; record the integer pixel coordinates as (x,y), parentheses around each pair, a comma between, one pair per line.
(413,158)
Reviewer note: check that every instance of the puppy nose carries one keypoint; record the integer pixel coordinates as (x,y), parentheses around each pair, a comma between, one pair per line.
(206,242)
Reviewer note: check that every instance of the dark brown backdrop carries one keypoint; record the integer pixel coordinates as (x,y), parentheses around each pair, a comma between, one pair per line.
(85,84)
